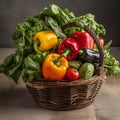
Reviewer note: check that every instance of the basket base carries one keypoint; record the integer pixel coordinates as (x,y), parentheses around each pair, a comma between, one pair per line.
(65,108)
(58,99)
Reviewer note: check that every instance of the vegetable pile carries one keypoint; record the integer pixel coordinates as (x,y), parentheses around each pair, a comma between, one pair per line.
(47,48)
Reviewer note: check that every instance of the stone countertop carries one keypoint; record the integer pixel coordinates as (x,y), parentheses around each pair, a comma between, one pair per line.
(17,104)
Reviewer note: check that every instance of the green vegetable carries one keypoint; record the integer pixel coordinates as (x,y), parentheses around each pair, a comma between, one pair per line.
(32,66)
(39,57)
(89,20)
(70,30)
(31,69)
(86,70)
(107,45)
(111,63)
(12,66)
(63,16)
(74,64)
(55,27)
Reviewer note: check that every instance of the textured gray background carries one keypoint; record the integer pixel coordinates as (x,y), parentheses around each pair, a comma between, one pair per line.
(15,11)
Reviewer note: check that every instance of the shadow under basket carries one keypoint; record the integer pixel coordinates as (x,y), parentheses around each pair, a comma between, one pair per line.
(66,95)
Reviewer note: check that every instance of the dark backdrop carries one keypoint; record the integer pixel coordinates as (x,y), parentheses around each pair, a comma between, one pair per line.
(15,11)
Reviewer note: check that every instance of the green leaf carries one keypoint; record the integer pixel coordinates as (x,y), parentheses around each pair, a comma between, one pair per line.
(31,64)
(63,17)
(29,75)
(89,20)
(111,63)
(55,27)
(70,30)
(31,68)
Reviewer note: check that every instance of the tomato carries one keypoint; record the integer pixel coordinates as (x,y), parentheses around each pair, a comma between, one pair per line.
(101,41)
(72,74)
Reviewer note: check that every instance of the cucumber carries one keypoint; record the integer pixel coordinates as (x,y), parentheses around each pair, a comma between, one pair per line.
(86,70)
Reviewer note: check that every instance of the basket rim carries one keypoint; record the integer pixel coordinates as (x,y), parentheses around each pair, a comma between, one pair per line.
(44,83)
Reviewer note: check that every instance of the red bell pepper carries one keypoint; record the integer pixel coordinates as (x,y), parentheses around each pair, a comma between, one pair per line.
(83,39)
(68,48)
(101,40)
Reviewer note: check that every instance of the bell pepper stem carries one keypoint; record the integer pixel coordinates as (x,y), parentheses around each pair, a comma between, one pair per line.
(65,53)
(57,61)
(36,44)
(81,52)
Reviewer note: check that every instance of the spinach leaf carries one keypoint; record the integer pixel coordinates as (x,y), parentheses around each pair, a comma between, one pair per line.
(12,66)
(55,27)
(89,20)
(63,17)
(111,63)
(31,69)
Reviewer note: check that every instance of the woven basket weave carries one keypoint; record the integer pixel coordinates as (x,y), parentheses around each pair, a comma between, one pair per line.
(68,95)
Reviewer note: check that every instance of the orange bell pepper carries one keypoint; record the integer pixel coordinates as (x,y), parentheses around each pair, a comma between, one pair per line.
(54,68)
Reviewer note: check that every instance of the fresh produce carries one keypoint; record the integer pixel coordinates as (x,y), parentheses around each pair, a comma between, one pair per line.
(69,48)
(24,32)
(88,55)
(54,68)
(31,68)
(72,74)
(55,27)
(110,62)
(45,40)
(75,64)
(86,70)
(83,39)
(54,44)
(101,41)
(89,20)
(40,56)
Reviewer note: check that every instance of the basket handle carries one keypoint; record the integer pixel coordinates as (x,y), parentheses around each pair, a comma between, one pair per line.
(87,29)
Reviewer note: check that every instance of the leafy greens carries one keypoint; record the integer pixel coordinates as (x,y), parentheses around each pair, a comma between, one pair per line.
(25,61)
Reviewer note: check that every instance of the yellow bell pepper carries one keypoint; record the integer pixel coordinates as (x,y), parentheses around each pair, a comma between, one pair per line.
(45,40)
(51,69)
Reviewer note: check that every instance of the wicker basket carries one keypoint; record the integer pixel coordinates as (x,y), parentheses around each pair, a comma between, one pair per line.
(68,95)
